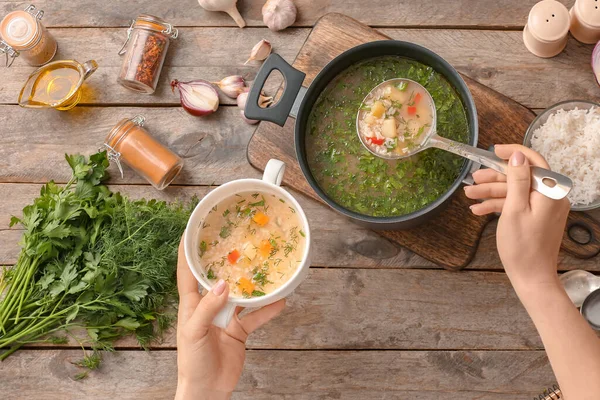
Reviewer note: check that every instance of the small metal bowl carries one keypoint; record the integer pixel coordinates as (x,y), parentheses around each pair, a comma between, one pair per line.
(541,120)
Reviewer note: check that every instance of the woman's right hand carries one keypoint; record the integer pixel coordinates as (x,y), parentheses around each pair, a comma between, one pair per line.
(531,225)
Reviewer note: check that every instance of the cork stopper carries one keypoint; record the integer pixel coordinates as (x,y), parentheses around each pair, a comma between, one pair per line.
(585,21)
(545,34)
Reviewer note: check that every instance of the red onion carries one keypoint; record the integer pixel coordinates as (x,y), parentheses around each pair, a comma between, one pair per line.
(596,62)
(197,97)
(232,86)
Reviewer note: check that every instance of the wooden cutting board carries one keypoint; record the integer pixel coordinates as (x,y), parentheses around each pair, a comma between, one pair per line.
(450,239)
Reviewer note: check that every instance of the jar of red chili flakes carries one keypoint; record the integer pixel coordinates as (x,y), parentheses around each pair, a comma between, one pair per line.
(145,50)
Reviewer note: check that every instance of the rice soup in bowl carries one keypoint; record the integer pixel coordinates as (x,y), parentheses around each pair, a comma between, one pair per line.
(255,236)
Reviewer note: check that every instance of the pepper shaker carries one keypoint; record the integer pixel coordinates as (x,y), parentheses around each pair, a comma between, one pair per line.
(545,34)
(585,21)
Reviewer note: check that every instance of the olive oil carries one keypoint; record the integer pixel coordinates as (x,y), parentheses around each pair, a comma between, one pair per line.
(56,85)
(51,86)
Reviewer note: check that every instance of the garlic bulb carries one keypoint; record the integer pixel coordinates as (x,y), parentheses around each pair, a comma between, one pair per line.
(260,51)
(228,6)
(279,14)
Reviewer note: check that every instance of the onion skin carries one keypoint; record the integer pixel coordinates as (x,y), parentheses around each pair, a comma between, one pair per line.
(199,91)
(596,62)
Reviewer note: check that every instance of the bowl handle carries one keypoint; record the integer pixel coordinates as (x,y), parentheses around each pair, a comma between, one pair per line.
(224,316)
(274,172)
(281,110)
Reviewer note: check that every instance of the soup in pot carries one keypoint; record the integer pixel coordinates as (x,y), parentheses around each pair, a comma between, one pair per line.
(360,181)
(254,241)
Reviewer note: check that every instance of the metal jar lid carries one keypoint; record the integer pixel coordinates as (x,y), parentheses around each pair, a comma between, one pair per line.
(545,34)
(150,22)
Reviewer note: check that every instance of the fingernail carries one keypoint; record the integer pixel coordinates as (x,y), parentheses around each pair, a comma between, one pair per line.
(219,287)
(517,159)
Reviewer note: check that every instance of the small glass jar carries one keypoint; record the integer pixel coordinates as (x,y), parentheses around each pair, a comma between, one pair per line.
(145,50)
(23,34)
(129,142)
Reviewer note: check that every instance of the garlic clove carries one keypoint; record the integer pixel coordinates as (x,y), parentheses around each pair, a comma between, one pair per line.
(232,85)
(248,121)
(228,6)
(264,101)
(260,51)
(279,14)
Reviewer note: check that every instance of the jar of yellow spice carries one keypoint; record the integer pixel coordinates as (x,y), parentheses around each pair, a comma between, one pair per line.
(129,142)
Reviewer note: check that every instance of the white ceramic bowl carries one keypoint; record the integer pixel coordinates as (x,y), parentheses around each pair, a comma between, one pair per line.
(541,120)
(269,184)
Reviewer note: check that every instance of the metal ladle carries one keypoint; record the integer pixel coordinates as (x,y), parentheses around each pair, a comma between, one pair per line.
(548,183)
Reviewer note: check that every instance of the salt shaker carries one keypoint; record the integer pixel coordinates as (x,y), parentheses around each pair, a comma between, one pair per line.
(545,34)
(585,21)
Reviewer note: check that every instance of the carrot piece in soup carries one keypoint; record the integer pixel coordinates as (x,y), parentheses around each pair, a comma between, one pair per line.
(233,256)
(246,285)
(260,218)
(412,110)
(265,248)
(417,98)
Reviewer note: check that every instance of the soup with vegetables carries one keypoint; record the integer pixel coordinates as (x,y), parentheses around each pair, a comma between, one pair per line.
(395,118)
(254,241)
(362,182)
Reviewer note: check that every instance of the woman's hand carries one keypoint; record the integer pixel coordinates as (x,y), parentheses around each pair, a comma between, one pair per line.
(531,225)
(210,359)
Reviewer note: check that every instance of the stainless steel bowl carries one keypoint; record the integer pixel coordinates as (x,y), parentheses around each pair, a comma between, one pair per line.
(543,117)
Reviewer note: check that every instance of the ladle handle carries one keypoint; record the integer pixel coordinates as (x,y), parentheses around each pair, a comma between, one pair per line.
(549,183)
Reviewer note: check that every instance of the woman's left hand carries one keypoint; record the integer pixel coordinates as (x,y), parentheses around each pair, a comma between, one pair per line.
(210,360)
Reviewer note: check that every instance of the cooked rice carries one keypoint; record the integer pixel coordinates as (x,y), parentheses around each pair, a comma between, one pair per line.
(570,142)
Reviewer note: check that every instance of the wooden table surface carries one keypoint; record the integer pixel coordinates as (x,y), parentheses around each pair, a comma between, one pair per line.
(372,320)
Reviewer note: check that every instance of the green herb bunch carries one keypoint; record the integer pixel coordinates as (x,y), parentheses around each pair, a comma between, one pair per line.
(91,259)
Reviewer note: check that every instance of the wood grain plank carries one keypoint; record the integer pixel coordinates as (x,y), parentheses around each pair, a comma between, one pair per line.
(497,59)
(198,53)
(338,242)
(475,13)
(427,375)
(32,149)
(395,309)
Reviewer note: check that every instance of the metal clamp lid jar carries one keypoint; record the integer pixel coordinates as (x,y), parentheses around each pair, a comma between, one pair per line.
(23,34)
(145,50)
(545,34)
(129,142)
(585,21)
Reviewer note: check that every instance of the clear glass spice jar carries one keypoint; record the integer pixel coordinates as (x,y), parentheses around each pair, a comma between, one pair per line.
(129,142)
(24,35)
(145,50)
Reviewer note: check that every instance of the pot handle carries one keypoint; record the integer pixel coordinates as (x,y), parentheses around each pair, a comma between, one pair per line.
(582,248)
(281,110)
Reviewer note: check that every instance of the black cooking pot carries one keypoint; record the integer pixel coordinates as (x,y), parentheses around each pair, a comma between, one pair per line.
(297,102)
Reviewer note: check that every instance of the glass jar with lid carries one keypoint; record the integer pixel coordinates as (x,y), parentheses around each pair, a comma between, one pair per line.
(130,143)
(24,35)
(145,50)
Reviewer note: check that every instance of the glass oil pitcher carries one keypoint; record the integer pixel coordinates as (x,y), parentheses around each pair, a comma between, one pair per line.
(56,85)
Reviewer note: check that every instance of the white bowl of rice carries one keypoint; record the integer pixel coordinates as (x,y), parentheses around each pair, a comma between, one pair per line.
(567,135)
